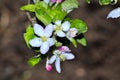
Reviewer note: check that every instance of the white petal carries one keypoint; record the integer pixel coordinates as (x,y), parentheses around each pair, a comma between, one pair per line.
(66,26)
(44,47)
(69,56)
(47,1)
(115,13)
(48,30)
(58,22)
(34,1)
(38,29)
(57,65)
(52,59)
(36,42)
(60,34)
(51,41)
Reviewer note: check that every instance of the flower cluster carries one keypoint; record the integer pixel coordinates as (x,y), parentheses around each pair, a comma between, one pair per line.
(46,37)
(55,33)
(52,31)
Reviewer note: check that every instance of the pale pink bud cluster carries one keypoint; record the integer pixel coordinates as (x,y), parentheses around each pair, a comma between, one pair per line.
(72,32)
(64,49)
(59,1)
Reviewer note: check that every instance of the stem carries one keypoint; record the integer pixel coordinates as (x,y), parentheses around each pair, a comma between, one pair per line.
(32,19)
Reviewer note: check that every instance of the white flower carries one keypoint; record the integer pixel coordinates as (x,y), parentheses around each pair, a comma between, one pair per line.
(43,41)
(61,55)
(115,13)
(72,32)
(60,29)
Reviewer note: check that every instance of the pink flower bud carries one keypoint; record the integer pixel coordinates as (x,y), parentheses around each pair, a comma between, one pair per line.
(64,49)
(53,1)
(48,67)
(59,1)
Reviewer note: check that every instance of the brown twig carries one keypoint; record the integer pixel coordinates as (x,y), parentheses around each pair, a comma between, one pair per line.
(32,19)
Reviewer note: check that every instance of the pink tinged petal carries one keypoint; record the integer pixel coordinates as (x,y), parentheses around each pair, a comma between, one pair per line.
(57,65)
(38,29)
(48,30)
(53,1)
(44,47)
(69,56)
(72,32)
(61,34)
(51,41)
(59,1)
(52,59)
(66,26)
(58,22)
(64,49)
(36,42)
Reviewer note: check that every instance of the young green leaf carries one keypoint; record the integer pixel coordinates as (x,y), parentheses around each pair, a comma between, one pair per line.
(69,5)
(29,7)
(88,1)
(80,25)
(34,60)
(82,41)
(43,16)
(29,35)
(41,5)
(107,2)
(56,13)
(73,42)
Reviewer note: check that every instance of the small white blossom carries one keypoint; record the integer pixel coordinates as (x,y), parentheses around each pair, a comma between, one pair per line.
(115,13)
(61,54)
(60,29)
(43,41)
(72,32)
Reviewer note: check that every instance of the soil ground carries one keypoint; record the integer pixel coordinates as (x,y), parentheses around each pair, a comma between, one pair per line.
(99,60)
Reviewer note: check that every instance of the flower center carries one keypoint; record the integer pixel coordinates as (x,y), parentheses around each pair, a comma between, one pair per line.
(62,57)
(44,38)
(58,28)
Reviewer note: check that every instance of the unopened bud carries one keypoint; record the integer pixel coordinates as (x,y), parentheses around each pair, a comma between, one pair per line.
(48,67)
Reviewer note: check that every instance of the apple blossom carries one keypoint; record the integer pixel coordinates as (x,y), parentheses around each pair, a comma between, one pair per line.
(61,54)
(43,40)
(60,29)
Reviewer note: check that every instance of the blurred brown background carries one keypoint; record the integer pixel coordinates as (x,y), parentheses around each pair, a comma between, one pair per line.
(99,60)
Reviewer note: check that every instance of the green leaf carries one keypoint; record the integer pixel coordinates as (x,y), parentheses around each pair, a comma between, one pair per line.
(69,5)
(43,16)
(29,7)
(80,25)
(82,41)
(73,42)
(41,5)
(29,35)
(107,2)
(56,13)
(34,60)
(88,1)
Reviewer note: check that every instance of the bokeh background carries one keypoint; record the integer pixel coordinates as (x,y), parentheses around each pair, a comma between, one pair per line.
(99,60)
